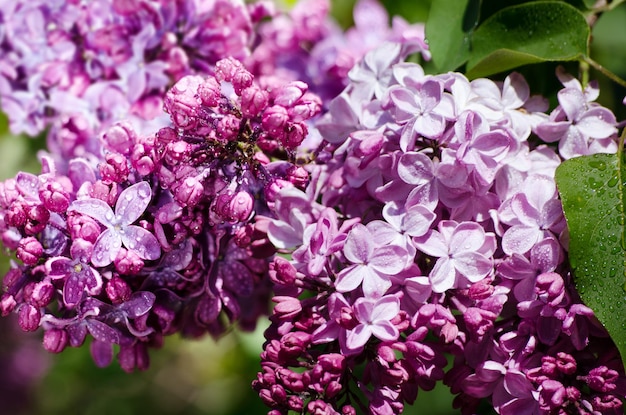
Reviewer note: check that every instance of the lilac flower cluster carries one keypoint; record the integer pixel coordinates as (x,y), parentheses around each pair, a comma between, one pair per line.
(432,227)
(128,234)
(161,237)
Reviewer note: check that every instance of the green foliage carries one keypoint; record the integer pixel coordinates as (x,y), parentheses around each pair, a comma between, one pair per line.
(528,33)
(489,41)
(592,190)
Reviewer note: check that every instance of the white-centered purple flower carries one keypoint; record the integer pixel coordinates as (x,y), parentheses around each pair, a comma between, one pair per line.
(131,204)
(374,317)
(78,274)
(372,264)
(464,250)
(579,126)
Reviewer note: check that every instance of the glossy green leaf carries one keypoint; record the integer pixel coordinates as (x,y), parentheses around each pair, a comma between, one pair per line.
(592,190)
(448,30)
(528,33)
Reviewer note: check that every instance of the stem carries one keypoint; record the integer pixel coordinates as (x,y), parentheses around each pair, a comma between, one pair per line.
(605,71)
(584,73)
(608,7)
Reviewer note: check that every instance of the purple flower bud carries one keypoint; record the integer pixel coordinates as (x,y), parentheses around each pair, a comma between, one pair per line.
(228,128)
(295,343)
(234,208)
(182,102)
(272,188)
(176,152)
(242,79)
(127,262)
(209,92)
(225,69)
(294,134)
(295,403)
(38,217)
(118,290)
(287,95)
(42,293)
(54,197)
(115,168)
(105,192)
(29,250)
(7,304)
(16,215)
(275,119)
(550,288)
(120,137)
(83,227)
(133,356)
(189,192)
(287,308)
(282,272)
(141,160)
(348,410)
(55,340)
(298,176)
(253,101)
(29,317)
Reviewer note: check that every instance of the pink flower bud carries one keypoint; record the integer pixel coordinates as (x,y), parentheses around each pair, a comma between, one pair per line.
(55,340)
(118,290)
(29,317)
(120,137)
(294,134)
(209,92)
(114,169)
(42,293)
(253,101)
(29,250)
(7,304)
(275,119)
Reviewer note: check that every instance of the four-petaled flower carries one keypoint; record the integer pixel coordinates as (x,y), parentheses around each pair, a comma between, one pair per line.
(80,276)
(374,317)
(131,204)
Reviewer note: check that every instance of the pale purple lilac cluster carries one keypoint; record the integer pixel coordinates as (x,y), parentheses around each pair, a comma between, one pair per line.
(431,228)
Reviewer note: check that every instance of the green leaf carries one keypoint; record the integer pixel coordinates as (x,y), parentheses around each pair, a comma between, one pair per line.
(448,30)
(528,33)
(592,190)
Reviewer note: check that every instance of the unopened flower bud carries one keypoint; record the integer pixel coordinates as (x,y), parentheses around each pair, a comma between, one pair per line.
(42,293)
(55,340)
(253,101)
(118,290)
(29,317)
(294,134)
(209,92)
(114,168)
(7,304)
(275,119)
(38,217)
(54,197)
(120,137)
(29,250)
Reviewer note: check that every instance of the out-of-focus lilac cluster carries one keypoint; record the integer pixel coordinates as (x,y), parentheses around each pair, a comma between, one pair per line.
(432,228)
(142,225)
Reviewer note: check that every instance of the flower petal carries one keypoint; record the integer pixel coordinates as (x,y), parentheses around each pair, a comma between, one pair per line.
(132,202)
(141,241)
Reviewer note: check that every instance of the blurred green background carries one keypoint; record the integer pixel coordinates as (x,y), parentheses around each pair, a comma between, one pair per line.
(190,377)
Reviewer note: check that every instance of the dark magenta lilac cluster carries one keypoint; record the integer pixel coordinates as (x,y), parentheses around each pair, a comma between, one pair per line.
(206,157)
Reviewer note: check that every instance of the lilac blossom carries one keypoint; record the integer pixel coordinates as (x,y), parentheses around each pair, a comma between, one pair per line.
(131,204)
